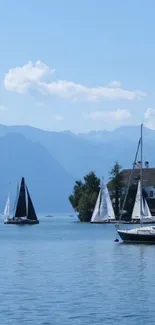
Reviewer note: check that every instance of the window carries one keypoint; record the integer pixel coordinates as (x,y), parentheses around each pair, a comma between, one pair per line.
(151,193)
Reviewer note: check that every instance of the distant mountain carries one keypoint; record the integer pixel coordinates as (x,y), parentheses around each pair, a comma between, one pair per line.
(129,133)
(48,182)
(60,157)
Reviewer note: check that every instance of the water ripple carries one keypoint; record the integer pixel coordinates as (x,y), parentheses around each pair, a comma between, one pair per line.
(67,273)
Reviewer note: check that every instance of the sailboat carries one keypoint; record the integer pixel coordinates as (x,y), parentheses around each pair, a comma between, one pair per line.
(142,234)
(24,210)
(146,214)
(103,211)
(7,208)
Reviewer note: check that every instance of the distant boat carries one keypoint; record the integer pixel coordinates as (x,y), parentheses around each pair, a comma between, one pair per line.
(24,211)
(103,211)
(49,216)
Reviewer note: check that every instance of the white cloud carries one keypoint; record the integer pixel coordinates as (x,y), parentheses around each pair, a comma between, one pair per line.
(119,115)
(149,118)
(58,117)
(150,112)
(75,91)
(20,79)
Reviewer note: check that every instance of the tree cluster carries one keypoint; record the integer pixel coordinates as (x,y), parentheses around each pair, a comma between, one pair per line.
(85,195)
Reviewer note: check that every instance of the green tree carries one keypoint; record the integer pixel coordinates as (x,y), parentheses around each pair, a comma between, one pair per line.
(84,196)
(115,187)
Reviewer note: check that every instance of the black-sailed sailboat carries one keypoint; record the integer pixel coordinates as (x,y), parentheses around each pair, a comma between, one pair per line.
(24,212)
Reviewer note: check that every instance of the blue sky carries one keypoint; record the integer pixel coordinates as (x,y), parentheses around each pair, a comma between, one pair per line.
(77,65)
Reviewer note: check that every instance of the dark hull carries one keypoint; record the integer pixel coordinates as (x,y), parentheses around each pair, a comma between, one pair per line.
(136,238)
(101,222)
(21,222)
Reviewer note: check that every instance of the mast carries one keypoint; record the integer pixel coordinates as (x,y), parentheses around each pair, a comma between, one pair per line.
(101,196)
(141,176)
(16,198)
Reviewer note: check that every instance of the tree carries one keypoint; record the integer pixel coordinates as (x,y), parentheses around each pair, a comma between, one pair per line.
(115,187)
(84,196)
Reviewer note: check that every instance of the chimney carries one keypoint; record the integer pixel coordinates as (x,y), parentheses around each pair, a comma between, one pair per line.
(138,164)
(146,164)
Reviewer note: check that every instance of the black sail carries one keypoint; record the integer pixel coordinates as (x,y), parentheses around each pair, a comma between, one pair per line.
(31,215)
(21,202)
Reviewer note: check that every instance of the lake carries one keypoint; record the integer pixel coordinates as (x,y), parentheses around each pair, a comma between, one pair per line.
(63,272)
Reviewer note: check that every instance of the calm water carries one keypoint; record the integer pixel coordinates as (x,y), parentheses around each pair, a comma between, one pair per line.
(63,272)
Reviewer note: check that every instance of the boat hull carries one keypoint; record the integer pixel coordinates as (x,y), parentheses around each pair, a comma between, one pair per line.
(99,222)
(113,222)
(136,238)
(21,222)
(146,222)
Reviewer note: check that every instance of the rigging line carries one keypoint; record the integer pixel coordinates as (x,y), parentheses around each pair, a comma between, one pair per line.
(129,181)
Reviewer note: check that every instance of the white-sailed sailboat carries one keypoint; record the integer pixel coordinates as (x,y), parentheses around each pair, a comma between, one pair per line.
(143,234)
(103,211)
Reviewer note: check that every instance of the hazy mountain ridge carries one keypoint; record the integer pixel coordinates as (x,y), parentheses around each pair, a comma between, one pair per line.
(60,157)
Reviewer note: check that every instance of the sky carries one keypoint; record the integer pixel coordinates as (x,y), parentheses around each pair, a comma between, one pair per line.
(77,65)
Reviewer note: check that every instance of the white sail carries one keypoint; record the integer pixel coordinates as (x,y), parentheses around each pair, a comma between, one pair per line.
(111,213)
(136,214)
(16,198)
(7,208)
(147,216)
(136,210)
(103,206)
(147,212)
(95,215)
(103,209)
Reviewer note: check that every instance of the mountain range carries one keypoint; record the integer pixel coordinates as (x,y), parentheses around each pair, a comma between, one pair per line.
(51,161)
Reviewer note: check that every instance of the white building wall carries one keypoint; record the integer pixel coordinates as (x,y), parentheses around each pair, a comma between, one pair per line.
(150,190)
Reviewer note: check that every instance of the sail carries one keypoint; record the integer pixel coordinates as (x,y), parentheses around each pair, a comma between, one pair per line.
(31,214)
(95,215)
(16,198)
(103,209)
(147,212)
(21,203)
(7,208)
(136,210)
(136,214)
(111,213)
(103,206)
